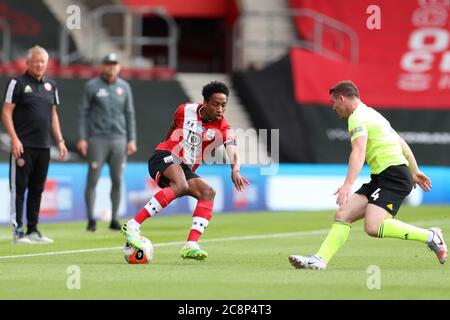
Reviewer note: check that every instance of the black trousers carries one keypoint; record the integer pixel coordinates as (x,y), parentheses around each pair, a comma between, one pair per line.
(28,173)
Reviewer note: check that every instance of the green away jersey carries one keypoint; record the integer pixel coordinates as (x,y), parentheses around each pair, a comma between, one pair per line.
(383,145)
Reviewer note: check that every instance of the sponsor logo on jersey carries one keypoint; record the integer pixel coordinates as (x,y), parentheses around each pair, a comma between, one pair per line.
(28,89)
(356,131)
(168,159)
(189,124)
(194,139)
(102,92)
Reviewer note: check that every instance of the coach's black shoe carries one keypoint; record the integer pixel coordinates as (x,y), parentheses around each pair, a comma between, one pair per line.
(115,225)
(92,226)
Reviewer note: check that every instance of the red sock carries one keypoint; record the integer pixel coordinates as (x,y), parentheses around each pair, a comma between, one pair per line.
(159,201)
(201,217)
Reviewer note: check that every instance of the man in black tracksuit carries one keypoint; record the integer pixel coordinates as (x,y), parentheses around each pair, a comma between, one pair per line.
(29,112)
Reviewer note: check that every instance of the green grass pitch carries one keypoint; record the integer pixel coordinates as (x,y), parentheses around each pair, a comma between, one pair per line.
(248,259)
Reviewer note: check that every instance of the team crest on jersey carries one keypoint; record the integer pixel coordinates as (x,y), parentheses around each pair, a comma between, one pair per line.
(48,86)
(119,91)
(210,134)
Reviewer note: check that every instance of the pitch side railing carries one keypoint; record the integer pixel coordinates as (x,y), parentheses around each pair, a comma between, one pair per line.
(135,40)
(270,41)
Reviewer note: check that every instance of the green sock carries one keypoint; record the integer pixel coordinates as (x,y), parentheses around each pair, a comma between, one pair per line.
(335,240)
(391,228)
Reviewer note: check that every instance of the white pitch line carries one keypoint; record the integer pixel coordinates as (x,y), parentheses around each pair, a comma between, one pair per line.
(167,244)
(57,253)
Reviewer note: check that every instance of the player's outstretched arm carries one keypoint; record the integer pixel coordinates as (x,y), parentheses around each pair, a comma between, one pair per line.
(240,182)
(418,176)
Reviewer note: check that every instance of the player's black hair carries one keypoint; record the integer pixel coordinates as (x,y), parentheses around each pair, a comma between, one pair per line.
(214,87)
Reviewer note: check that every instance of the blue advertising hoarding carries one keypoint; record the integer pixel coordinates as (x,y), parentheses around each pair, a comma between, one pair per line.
(296,187)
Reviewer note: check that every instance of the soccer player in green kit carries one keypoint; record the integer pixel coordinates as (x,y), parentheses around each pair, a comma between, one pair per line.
(394,172)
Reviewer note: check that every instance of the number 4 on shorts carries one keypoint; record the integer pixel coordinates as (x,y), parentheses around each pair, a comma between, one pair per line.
(376,194)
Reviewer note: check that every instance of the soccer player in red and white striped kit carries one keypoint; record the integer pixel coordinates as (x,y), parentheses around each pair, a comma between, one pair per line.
(197,129)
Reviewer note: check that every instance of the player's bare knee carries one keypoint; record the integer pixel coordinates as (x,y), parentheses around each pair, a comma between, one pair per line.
(342,215)
(180,188)
(371,229)
(208,193)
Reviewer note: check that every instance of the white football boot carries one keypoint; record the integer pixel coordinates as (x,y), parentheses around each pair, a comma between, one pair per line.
(38,238)
(20,237)
(308,262)
(438,245)
(131,230)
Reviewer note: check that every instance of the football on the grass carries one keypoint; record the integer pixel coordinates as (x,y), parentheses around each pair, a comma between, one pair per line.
(135,255)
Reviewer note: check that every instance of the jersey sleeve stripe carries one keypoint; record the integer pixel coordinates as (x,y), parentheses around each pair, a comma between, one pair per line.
(10,91)
(230,141)
(56,97)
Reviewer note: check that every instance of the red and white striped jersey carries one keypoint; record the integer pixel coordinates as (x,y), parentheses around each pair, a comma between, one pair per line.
(191,139)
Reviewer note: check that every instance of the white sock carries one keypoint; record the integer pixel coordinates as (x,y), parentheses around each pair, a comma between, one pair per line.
(133,224)
(430,236)
(192,244)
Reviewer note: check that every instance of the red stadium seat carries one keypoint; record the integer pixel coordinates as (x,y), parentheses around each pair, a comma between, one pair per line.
(163,73)
(20,64)
(126,73)
(53,63)
(142,73)
(52,67)
(9,70)
(85,71)
(66,71)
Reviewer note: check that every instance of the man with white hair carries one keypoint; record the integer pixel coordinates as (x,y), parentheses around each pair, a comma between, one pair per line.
(29,113)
